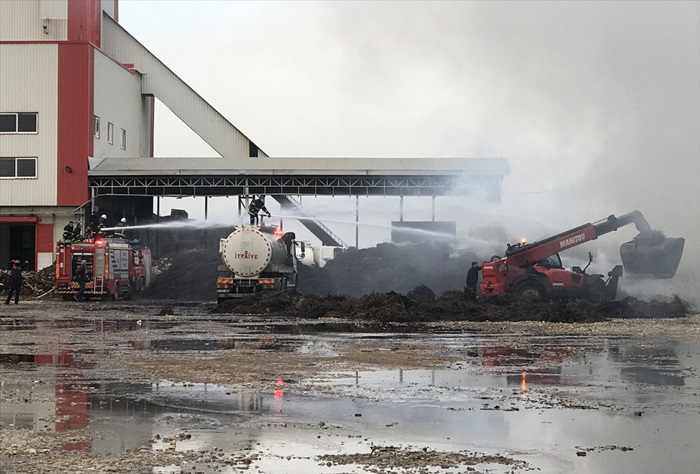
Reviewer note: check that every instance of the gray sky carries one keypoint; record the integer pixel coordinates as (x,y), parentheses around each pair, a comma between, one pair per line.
(596,105)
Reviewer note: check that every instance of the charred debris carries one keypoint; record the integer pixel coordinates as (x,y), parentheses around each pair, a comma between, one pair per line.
(386,283)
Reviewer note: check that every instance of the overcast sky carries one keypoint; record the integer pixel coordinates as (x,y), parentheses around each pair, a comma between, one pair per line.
(596,105)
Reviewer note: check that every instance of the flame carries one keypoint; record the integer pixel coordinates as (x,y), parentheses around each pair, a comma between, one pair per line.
(523,241)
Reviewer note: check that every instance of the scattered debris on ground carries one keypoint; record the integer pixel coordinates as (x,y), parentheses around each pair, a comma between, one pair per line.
(450,306)
(33,283)
(389,457)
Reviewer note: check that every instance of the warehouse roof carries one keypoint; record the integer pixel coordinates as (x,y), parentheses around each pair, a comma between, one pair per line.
(298,166)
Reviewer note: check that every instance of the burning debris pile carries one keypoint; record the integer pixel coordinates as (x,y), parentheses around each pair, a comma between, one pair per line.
(450,306)
(389,267)
(33,283)
(186,275)
(391,283)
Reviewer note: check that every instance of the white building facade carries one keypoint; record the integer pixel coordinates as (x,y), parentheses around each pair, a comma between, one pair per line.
(63,100)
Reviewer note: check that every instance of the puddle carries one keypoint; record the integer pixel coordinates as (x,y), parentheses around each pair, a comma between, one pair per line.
(545,401)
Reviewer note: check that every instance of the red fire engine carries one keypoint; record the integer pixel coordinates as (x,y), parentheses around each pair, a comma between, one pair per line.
(115,267)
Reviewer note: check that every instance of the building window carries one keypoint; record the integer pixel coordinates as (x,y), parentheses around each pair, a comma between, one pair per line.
(17,167)
(110,133)
(123,140)
(18,122)
(96,127)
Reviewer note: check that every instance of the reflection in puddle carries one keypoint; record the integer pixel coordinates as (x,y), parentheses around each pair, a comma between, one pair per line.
(545,399)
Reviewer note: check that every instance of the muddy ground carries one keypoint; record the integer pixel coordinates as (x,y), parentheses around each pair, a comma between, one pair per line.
(173,386)
(361,377)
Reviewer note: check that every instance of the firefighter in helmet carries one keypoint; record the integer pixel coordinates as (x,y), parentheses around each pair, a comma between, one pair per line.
(256,206)
(119,233)
(102,224)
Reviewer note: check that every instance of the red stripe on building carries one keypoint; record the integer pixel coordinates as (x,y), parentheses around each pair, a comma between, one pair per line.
(84,21)
(18,220)
(76,65)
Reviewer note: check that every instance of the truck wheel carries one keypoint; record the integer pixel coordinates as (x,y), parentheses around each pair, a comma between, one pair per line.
(529,291)
(597,292)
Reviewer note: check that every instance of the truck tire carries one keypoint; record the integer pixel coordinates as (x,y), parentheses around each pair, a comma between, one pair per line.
(529,290)
(597,292)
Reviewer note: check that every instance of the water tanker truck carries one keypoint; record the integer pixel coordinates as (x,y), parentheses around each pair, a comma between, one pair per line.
(256,258)
(534,271)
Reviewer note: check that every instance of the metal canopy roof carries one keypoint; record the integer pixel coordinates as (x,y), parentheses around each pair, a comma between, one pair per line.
(296,176)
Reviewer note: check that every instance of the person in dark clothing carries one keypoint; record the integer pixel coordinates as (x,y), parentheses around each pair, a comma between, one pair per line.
(95,220)
(102,223)
(15,281)
(120,233)
(256,206)
(473,276)
(77,232)
(80,277)
(68,231)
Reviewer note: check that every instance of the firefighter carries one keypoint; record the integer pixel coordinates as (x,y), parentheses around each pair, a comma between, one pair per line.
(94,220)
(119,233)
(15,280)
(77,232)
(102,223)
(473,277)
(68,231)
(81,277)
(256,206)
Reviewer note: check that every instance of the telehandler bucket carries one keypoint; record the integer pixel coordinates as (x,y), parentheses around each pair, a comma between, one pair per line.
(652,255)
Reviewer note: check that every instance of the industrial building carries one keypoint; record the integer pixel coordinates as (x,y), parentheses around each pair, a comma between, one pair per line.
(77,98)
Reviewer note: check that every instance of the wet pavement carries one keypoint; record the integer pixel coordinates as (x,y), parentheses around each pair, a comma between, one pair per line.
(585,404)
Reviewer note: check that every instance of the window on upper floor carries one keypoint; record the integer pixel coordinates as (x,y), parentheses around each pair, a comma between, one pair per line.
(123,139)
(18,122)
(96,127)
(18,167)
(110,133)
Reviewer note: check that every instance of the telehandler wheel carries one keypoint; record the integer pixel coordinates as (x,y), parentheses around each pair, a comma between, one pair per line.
(597,293)
(529,291)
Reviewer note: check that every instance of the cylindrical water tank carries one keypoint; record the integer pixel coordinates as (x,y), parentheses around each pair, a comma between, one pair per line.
(248,251)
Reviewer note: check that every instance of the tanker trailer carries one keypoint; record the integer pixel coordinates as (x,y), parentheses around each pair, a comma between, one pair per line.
(256,258)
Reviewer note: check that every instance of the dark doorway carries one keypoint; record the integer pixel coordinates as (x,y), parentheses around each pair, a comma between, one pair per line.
(17,242)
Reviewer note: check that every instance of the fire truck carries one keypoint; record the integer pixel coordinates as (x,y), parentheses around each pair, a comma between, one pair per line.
(115,268)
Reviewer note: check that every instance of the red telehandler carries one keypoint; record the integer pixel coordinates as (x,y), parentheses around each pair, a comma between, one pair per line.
(533,271)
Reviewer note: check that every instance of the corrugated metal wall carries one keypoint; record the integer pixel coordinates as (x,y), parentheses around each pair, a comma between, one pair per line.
(118,101)
(28,78)
(24,20)
(181,99)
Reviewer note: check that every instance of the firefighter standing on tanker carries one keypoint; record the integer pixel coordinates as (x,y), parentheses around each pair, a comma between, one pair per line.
(256,206)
